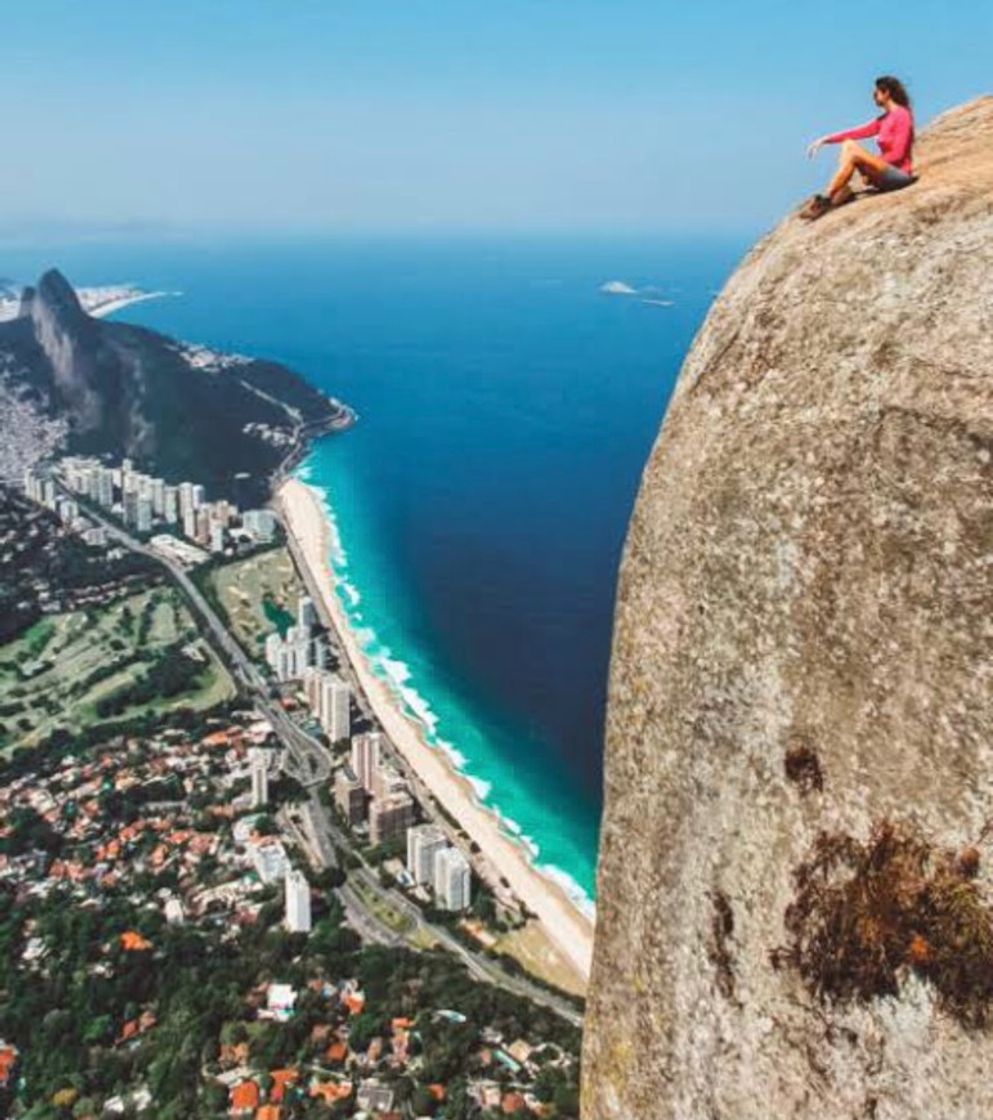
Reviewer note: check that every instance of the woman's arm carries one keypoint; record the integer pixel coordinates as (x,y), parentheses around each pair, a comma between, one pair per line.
(865,130)
(860,133)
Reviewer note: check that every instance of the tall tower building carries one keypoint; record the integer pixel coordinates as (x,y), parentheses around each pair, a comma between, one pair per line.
(105,487)
(297,902)
(366,754)
(186,503)
(306,614)
(390,817)
(335,711)
(158,489)
(452,879)
(143,515)
(259,764)
(349,795)
(422,843)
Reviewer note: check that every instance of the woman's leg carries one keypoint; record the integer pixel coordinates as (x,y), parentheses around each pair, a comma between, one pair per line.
(853,158)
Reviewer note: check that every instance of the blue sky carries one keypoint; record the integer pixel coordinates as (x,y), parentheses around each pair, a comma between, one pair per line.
(448,115)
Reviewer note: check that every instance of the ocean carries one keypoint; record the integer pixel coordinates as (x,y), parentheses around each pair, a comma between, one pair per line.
(507,404)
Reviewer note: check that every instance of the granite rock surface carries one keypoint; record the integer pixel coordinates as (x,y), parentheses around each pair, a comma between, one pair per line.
(809,563)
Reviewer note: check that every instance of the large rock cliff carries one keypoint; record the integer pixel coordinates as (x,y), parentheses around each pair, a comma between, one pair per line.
(803,647)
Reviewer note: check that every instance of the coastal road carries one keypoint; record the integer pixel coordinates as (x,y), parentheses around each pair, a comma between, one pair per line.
(313,765)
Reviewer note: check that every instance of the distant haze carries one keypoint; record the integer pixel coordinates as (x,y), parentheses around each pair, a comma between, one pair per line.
(447,115)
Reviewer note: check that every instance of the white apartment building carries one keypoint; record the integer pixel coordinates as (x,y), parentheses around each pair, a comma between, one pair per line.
(452,879)
(297,918)
(423,842)
(259,766)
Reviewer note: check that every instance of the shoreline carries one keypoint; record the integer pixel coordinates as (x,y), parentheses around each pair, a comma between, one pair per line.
(566,926)
(113,305)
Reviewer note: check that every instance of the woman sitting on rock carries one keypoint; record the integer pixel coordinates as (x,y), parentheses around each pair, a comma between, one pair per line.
(890,170)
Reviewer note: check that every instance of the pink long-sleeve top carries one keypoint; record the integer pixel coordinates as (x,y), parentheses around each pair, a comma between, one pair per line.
(894,132)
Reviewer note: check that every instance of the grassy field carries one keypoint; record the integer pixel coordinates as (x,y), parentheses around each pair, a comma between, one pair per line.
(58,672)
(391,917)
(258,595)
(537,953)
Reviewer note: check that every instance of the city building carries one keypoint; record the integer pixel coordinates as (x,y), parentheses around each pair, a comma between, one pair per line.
(387,780)
(259,766)
(297,902)
(170,505)
(217,536)
(390,817)
(186,503)
(335,707)
(158,488)
(259,524)
(349,796)
(423,841)
(96,537)
(306,613)
(291,657)
(452,879)
(367,750)
(201,519)
(143,514)
(104,487)
(269,859)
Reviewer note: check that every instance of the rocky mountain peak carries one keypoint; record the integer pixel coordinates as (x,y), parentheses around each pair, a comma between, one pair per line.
(796,868)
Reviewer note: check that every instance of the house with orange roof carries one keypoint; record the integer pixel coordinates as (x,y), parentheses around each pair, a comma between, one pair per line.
(268,1112)
(8,1061)
(513,1102)
(133,942)
(401,1024)
(281,1078)
(336,1052)
(437,1092)
(354,1002)
(244,1098)
(331,1091)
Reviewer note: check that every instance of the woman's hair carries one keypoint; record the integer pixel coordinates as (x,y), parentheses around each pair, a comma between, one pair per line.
(895,88)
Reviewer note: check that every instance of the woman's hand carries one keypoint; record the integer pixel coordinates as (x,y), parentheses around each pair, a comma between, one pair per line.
(814,148)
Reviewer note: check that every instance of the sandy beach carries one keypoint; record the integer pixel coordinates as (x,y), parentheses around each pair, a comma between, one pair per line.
(112,305)
(570,930)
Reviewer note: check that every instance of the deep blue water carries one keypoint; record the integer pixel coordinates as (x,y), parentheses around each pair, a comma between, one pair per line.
(506,408)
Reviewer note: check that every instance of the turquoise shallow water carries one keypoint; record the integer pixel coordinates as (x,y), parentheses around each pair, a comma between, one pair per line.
(506,408)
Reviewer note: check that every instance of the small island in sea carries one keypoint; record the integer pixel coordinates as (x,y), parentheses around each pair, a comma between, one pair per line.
(261,880)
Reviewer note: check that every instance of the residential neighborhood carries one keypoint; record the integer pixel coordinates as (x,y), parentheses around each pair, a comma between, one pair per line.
(221,893)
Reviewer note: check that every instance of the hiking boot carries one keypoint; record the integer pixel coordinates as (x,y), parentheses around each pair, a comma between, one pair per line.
(820,204)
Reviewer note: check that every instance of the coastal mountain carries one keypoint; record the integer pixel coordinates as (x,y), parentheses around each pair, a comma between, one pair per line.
(796,870)
(178,411)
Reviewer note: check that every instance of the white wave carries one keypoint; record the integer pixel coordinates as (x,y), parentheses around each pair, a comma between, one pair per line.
(456,757)
(659,302)
(481,789)
(576,894)
(617,288)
